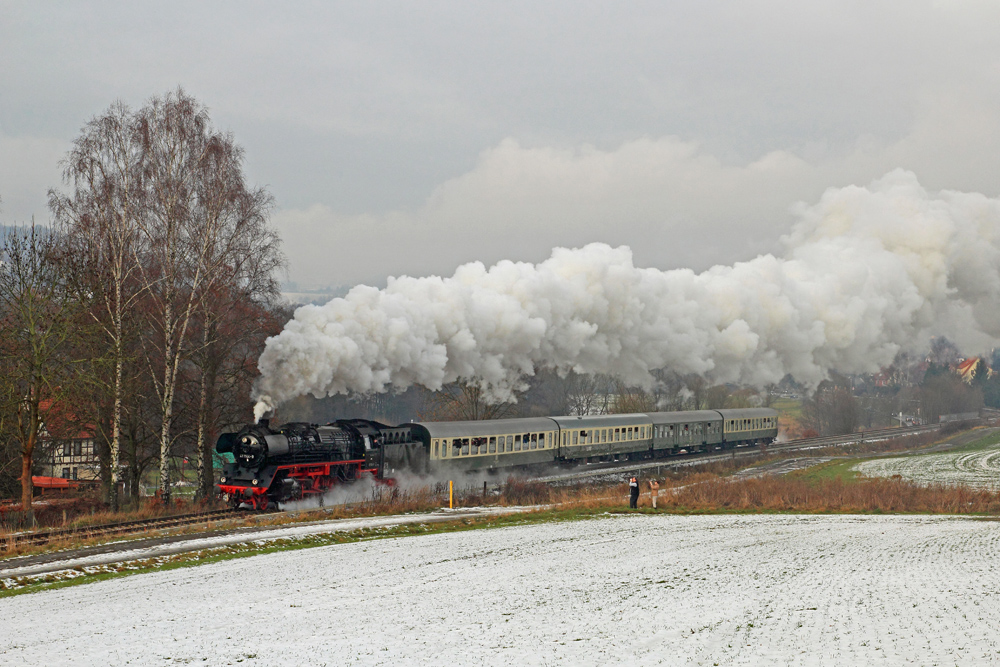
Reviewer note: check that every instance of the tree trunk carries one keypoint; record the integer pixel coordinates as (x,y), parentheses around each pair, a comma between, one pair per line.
(206,410)
(26,486)
(168,411)
(134,474)
(116,414)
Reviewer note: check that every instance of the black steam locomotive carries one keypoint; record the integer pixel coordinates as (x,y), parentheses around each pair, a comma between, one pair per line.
(299,460)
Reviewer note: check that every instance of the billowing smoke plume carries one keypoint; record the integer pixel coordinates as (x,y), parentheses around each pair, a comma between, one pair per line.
(866,272)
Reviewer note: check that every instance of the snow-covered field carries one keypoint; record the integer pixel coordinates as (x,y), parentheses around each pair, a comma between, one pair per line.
(976,469)
(631,590)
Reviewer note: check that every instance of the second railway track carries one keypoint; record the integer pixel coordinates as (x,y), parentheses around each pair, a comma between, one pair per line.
(14,540)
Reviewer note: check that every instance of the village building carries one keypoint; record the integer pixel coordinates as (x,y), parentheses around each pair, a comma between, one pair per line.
(67,449)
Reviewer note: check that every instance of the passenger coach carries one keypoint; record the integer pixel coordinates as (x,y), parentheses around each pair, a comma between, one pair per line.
(504,443)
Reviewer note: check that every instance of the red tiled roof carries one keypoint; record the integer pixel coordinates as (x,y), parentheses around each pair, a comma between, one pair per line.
(60,424)
(53,483)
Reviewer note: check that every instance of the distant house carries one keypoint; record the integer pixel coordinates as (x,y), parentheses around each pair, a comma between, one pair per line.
(971,368)
(67,448)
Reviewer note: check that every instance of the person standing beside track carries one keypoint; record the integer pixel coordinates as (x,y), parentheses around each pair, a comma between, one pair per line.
(654,490)
(633,493)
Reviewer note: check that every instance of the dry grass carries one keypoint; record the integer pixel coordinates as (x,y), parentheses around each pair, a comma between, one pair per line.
(869,495)
(84,511)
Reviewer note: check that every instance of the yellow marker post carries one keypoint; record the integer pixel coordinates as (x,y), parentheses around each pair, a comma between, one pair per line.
(451,494)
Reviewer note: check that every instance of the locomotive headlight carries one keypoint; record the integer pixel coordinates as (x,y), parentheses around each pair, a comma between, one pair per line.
(254,482)
(222,481)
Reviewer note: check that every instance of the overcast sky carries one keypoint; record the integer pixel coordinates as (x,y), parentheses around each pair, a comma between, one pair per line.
(412,137)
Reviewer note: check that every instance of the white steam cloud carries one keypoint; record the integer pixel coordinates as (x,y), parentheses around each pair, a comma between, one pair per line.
(866,272)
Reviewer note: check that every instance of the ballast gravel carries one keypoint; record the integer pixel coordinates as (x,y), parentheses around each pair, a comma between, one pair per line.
(621,590)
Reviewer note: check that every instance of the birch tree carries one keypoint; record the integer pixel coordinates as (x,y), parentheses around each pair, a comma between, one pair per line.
(101,221)
(202,224)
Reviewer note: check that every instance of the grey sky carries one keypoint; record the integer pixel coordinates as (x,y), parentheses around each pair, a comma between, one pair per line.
(411,137)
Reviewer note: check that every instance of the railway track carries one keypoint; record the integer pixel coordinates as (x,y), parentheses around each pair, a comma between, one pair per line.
(14,540)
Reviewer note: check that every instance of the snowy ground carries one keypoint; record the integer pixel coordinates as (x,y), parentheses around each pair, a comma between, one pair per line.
(632,590)
(976,469)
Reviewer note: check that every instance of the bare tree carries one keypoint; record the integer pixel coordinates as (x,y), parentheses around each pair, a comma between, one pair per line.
(629,400)
(697,386)
(943,392)
(461,402)
(231,326)
(40,320)
(200,219)
(832,409)
(101,221)
(589,394)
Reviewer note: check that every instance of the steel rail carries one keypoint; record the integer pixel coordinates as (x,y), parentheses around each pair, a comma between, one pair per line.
(14,540)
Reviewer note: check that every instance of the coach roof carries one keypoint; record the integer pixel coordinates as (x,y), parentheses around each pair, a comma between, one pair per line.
(486,427)
(694,416)
(601,421)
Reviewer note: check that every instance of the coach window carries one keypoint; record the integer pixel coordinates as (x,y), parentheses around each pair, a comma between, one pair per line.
(576,437)
(435,449)
(517,443)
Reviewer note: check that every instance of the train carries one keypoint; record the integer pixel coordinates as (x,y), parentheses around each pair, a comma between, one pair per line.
(297,460)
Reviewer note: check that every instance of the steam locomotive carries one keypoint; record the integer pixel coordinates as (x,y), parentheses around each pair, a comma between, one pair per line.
(297,460)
